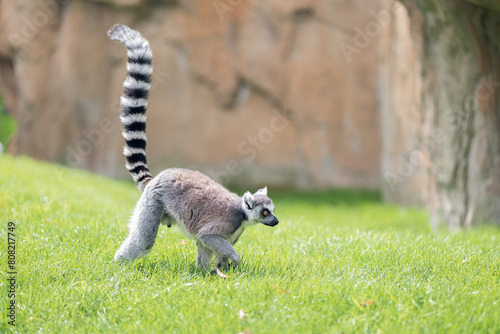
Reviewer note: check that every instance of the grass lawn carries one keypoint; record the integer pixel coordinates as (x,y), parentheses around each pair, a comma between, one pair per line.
(337,262)
(7,127)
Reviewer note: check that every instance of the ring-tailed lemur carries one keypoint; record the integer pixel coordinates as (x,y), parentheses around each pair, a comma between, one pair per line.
(207,212)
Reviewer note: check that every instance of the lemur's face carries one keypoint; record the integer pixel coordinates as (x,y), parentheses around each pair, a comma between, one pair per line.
(259,208)
(266,214)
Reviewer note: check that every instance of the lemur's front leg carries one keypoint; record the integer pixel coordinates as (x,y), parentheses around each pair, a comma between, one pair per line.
(221,262)
(204,256)
(221,246)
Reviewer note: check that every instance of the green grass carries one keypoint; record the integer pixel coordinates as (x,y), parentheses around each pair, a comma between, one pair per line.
(338,262)
(7,127)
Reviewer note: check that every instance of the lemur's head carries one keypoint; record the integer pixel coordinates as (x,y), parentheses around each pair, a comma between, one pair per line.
(259,208)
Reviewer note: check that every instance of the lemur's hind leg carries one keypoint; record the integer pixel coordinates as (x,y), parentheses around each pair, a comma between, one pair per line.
(143,228)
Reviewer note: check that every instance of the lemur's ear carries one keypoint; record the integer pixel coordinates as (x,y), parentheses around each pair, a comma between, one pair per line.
(262,191)
(248,200)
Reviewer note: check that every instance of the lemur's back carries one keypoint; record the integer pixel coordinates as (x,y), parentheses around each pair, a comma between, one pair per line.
(194,198)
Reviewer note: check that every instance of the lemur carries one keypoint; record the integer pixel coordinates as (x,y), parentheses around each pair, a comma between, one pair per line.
(206,211)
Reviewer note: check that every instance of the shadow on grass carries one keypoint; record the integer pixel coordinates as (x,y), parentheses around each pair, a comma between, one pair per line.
(188,270)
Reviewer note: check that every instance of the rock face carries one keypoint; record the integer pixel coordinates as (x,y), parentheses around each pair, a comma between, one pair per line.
(299,93)
(403,151)
(449,156)
(250,92)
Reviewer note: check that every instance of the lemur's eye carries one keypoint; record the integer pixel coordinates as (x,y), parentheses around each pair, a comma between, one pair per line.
(265,213)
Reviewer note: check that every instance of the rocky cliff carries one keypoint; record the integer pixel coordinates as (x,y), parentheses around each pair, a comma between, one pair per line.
(441,145)
(249,91)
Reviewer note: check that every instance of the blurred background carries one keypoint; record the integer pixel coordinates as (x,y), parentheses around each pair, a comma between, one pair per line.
(399,96)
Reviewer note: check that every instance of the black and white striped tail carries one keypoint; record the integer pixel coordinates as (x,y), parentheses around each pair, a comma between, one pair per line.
(134,100)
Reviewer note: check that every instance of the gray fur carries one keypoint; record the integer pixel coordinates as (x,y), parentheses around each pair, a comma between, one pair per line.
(205,210)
